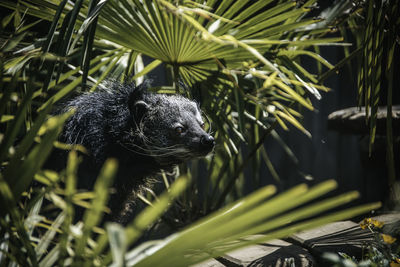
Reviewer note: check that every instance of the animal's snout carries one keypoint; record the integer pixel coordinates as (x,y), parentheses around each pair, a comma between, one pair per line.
(207,141)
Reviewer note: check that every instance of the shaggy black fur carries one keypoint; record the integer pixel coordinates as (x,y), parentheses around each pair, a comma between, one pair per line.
(145,132)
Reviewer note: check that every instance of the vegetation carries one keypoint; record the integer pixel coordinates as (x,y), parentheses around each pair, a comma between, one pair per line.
(375,27)
(382,251)
(239,59)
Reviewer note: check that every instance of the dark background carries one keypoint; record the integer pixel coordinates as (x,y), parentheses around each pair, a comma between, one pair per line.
(330,154)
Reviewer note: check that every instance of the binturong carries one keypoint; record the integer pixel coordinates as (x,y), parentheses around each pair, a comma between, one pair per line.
(146,132)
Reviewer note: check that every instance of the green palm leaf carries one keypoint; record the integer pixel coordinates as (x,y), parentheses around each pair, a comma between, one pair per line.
(220,232)
(241,57)
(199,39)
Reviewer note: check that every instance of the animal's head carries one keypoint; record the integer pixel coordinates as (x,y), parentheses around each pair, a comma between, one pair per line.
(171,128)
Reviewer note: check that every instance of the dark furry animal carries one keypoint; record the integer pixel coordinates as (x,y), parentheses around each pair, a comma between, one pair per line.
(145,132)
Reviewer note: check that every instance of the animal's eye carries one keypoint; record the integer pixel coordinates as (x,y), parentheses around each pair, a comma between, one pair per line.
(203,125)
(179,130)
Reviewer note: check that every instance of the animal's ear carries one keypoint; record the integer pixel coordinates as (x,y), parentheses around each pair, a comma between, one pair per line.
(138,109)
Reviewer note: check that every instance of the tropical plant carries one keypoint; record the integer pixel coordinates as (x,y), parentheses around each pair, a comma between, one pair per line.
(37,241)
(383,251)
(374,27)
(247,53)
(379,43)
(241,60)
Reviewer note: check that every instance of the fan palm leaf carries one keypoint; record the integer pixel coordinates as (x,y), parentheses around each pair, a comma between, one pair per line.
(279,81)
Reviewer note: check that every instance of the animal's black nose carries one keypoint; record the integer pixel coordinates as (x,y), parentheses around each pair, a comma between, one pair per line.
(207,141)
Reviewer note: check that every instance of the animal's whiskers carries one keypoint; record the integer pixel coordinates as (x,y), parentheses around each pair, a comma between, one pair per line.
(152,146)
(155,151)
